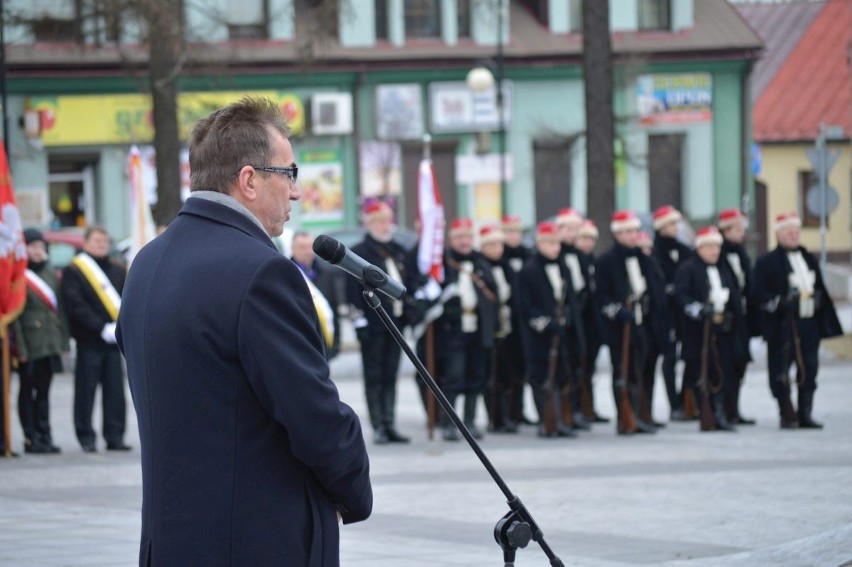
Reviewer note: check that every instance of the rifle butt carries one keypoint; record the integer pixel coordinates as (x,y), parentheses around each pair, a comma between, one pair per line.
(708,420)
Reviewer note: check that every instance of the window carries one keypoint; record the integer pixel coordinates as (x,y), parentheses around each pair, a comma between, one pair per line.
(654,15)
(382,20)
(806,179)
(463,15)
(247,19)
(422,18)
(55,29)
(538,8)
(575,8)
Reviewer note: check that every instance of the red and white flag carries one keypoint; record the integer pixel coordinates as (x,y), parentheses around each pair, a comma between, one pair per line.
(430,214)
(13,251)
(142,229)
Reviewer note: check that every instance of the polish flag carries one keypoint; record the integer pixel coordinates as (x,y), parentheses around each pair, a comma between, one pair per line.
(430,215)
(141,223)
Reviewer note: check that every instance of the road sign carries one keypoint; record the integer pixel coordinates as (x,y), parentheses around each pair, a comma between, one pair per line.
(814,202)
(830,159)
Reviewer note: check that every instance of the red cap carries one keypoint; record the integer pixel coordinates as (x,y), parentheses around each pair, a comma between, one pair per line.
(784,220)
(569,216)
(546,230)
(490,233)
(589,229)
(623,220)
(511,222)
(707,235)
(375,210)
(729,217)
(665,215)
(460,226)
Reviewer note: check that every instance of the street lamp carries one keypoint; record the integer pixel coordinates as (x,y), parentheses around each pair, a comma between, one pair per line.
(480,79)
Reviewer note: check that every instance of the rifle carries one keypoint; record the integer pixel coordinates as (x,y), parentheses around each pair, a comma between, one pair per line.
(586,405)
(552,410)
(431,402)
(788,413)
(626,418)
(708,421)
(494,390)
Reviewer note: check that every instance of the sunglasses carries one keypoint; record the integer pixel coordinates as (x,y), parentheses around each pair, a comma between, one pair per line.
(292,172)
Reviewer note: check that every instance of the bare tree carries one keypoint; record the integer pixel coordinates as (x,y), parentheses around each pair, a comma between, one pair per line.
(600,130)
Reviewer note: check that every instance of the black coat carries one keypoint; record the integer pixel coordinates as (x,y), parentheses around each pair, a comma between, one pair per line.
(376,253)
(772,287)
(612,288)
(247,450)
(585,298)
(331,283)
(752,313)
(693,285)
(449,324)
(85,313)
(516,256)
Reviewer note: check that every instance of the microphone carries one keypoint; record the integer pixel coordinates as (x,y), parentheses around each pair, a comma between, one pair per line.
(366,273)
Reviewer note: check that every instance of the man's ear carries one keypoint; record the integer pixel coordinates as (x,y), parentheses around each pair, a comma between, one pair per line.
(247,181)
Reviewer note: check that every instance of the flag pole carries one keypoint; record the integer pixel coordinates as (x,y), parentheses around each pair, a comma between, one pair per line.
(431,402)
(7,419)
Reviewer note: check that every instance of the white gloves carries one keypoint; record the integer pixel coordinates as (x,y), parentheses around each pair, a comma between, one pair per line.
(108,333)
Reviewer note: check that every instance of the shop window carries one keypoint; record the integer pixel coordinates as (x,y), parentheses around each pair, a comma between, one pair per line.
(538,8)
(806,180)
(247,19)
(422,19)
(463,15)
(654,15)
(381,17)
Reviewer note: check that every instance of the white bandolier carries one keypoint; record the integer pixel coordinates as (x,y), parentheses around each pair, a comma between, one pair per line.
(802,279)
(467,295)
(719,294)
(638,285)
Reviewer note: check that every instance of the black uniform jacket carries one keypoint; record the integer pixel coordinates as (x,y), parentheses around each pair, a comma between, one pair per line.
(613,289)
(486,307)
(376,253)
(538,310)
(752,313)
(693,285)
(85,312)
(771,291)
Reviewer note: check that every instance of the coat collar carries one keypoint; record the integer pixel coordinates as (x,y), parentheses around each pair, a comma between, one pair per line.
(220,212)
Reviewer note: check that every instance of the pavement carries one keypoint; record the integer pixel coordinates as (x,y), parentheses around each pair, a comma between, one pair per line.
(760,496)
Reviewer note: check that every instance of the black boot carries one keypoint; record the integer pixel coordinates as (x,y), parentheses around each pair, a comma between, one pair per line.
(806,402)
(470,415)
(449,430)
(722,423)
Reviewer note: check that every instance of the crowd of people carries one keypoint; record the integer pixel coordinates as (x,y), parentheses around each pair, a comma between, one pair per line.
(505,317)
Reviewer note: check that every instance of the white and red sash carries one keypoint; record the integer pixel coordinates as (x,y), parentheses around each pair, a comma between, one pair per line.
(43,291)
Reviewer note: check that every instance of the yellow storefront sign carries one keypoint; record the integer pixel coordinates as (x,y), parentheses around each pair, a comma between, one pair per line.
(128,118)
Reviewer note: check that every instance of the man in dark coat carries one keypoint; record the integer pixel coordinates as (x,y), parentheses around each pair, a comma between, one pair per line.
(631,304)
(707,294)
(40,340)
(669,253)
(248,455)
(325,288)
(91,295)
(732,225)
(467,328)
(379,351)
(797,313)
(646,244)
(552,331)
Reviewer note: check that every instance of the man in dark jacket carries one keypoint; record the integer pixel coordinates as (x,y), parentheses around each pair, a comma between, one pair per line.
(551,330)
(633,307)
(797,313)
(40,340)
(707,294)
(248,455)
(732,225)
(325,287)
(91,295)
(379,351)
(669,253)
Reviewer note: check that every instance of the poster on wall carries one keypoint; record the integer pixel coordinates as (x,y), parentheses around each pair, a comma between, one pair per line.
(399,112)
(380,168)
(321,184)
(680,98)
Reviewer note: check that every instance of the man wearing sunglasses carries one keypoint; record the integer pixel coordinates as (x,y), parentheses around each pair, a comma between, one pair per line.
(248,455)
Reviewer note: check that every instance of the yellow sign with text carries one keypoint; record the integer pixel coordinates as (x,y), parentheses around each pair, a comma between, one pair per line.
(128,118)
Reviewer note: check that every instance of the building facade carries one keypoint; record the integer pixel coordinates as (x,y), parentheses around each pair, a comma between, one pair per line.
(363,81)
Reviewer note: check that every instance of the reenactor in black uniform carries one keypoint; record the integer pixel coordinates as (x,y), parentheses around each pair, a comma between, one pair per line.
(467,329)
(796,313)
(503,378)
(631,307)
(569,222)
(670,252)
(379,351)
(515,255)
(707,294)
(732,225)
(551,331)
(646,244)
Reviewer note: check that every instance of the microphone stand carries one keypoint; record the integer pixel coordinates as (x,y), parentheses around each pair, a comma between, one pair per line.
(517,527)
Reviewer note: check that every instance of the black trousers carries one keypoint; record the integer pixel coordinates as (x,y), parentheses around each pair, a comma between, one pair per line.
(99,367)
(640,344)
(781,356)
(465,371)
(505,383)
(33,402)
(380,359)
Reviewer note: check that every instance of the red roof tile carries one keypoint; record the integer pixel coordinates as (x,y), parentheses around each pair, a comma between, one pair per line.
(814,84)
